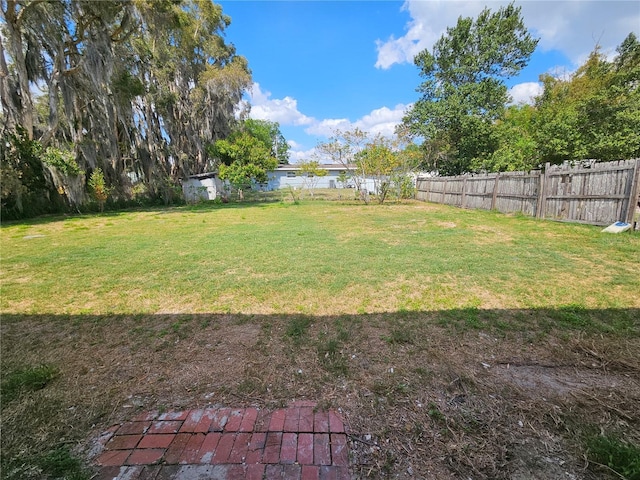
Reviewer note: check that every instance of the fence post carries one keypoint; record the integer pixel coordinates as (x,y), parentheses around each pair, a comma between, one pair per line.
(633,194)
(542,195)
(444,190)
(495,192)
(539,199)
(464,191)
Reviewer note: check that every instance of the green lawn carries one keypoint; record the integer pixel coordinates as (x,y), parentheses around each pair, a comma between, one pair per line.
(315,258)
(465,343)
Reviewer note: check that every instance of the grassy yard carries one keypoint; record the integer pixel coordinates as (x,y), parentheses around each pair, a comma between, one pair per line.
(465,343)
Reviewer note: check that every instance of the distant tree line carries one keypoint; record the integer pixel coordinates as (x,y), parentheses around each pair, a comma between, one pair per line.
(464,120)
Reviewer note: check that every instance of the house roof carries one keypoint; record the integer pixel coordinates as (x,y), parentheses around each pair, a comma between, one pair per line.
(201,176)
(324,166)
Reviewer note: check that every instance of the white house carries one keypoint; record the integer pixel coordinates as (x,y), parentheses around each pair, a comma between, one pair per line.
(208,186)
(205,186)
(290,176)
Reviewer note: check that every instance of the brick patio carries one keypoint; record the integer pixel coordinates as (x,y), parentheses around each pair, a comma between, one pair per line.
(298,442)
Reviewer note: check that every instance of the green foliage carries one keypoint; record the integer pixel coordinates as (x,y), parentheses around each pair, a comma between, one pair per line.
(379,160)
(297,327)
(23,187)
(28,379)
(343,179)
(140,87)
(404,186)
(269,134)
(595,113)
(464,91)
(245,160)
(620,456)
(98,188)
(311,172)
(63,160)
(331,356)
(517,149)
(60,463)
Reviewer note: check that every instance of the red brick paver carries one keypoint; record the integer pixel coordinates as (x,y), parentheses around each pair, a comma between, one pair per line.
(298,442)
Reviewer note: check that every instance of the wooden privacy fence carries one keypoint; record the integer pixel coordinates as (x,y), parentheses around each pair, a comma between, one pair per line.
(591,192)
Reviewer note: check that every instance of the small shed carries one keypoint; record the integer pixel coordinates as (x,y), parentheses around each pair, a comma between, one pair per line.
(201,187)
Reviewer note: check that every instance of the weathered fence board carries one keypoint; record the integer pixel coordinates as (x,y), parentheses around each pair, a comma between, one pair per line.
(594,193)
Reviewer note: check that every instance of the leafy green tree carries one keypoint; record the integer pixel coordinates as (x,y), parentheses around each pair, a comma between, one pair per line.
(379,160)
(269,134)
(244,160)
(341,149)
(596,112)
(463,91)
(344,178)
(517,148)
(311,172)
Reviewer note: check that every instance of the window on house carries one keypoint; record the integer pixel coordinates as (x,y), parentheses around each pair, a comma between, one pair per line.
(291,174)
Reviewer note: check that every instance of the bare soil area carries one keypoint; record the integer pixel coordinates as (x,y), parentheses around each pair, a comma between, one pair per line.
(422,398)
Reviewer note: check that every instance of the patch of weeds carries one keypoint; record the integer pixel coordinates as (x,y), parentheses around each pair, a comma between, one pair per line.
(460,319)
(619,456)
(297,328)
(572,316)
(57,463)
(29,379)
(391,391)
(435,413)
(60,463)
(331,357)
(249,386)
(177,328)
(423,373)
(471,318)
(389,462)
(342,331)
(400,336)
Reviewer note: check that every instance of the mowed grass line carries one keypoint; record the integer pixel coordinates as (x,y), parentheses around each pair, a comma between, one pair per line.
(313,258)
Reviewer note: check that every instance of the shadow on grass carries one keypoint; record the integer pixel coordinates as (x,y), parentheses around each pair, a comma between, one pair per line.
(377,366)
(625,321)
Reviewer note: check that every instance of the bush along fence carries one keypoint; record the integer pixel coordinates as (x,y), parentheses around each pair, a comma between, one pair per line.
(585,192)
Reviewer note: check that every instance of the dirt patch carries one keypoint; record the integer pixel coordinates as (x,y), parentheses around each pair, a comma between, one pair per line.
(540,381)
(424,396)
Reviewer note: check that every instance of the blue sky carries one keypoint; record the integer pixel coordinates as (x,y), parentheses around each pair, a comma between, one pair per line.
(323,65)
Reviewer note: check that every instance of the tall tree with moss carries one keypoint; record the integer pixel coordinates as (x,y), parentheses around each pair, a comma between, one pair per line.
(137,89)
(464,91)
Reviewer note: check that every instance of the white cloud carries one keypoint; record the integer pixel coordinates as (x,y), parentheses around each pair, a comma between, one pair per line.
(293,144)
(297,156)
(326,127)
(573,27)
(284,111)
(381,121)
(525,92)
